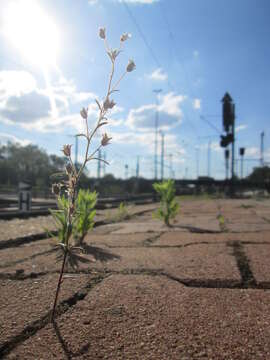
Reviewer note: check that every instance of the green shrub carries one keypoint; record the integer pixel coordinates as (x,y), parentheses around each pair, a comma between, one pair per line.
(120,215)
(168,204)
(83,219)
(122,212)
(85,213)
(222,223)
(60,217)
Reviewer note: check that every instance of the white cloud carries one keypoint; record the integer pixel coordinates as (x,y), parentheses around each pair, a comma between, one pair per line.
(15,83)
(26,108)
(66,91)
(170,104)
(267,155)
(158,75)
(4,138)
(74,120)
(252,152)
(240,127)
(147,140)
(196,53)
(24,104)
(169,111)
(214,145)
(197,104)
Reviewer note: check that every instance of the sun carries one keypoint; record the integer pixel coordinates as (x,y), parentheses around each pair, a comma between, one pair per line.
(31,31)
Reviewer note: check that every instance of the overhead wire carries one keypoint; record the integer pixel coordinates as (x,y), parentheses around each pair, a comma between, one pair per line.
(152,53)
(173,42)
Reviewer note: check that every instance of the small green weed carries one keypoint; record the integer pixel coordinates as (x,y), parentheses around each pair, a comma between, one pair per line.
(121,214)
(168,204)
(222,223)
(247,206)
(83,219)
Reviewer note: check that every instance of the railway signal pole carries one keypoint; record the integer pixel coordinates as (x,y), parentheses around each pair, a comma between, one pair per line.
(228,108)
(242,153)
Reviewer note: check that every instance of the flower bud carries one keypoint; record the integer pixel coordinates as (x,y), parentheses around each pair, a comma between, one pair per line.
(69,169)
(108,104)
(102,33)
(131,66)
(56,189)
(113,54)
(72,209)
(67,150)
(84,113)
(105,140)
(125,36)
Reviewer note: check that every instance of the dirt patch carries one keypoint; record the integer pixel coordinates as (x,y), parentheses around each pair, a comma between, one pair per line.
(24,301)
(146,291)
(259,261)
(135,317)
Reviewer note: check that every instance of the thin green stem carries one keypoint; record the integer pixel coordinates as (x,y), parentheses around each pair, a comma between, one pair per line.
(110,80)
(59,285)
(117,82)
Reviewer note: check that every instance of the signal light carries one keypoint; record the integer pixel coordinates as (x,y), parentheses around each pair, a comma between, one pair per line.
(242,151)
(226,140)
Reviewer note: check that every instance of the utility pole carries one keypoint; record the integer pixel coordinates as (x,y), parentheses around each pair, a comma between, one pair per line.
(227,156)
(262,148)
(156,91)
(98,164)
(171,169)
(138,167)
(126,171)
(209,159)
(162,155)
(197,162)
(104,163)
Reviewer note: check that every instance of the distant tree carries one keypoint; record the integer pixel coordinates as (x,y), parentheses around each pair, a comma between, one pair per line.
(260,174)
(28,163)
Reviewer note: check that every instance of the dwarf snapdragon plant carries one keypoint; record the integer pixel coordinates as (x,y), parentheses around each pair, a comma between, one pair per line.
(69,185)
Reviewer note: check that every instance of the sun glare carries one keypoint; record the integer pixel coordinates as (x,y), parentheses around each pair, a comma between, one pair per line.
(32,31)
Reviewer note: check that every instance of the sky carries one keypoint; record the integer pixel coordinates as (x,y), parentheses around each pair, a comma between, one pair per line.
(53,63)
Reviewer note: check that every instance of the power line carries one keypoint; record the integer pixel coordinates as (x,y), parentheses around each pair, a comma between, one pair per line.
(172,41)
(151,51)
(210,124)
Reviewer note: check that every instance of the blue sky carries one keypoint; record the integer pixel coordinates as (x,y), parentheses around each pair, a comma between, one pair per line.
(193,50)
